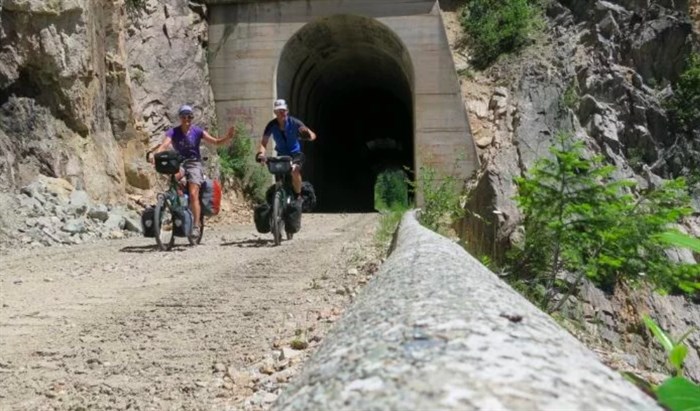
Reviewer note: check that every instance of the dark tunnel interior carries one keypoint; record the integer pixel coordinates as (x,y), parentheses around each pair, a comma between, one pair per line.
(349,78)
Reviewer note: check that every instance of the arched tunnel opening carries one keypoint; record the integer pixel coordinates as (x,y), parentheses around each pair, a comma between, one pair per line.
(350,79)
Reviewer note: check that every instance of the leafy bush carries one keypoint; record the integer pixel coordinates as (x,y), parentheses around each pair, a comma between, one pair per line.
(495,27)
(684,106)
(441,199)
(238,161)
(578,219)
(676,393)
(391,190)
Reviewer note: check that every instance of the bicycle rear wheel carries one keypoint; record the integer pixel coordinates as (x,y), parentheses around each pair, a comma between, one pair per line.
(163,225)
(277,222)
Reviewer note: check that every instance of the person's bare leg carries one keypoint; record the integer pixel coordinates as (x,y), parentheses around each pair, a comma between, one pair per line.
(194,203)
(296,180)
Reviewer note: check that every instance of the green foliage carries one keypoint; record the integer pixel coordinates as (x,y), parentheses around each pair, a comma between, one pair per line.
(577,218)
(388,222)
(441,199)
(571,97)
(678,239)
(391,190)
(684,106)
(679,394)
(495,27)
(676,393)
(238,161)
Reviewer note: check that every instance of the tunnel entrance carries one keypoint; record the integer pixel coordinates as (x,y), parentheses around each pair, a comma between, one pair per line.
(350,79)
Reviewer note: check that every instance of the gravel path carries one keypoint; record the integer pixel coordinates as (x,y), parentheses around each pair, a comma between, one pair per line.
(118,325)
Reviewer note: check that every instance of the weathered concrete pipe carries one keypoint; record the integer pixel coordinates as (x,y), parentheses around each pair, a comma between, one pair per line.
(435,329)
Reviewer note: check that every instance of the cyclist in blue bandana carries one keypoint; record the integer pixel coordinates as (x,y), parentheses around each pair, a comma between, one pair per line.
(286,131)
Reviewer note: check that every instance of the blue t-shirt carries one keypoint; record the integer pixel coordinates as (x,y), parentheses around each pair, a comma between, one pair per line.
(186,145)
(287,140)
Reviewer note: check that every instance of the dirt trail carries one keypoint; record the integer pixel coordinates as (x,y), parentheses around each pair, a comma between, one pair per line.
(118,325)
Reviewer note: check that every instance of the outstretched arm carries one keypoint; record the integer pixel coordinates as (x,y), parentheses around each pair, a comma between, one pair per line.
(219,141)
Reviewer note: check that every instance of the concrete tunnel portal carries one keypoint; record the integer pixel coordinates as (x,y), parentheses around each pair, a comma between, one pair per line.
(350,79)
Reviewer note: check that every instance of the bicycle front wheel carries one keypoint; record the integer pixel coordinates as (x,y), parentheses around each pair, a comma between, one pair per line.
(277,222)
(163,224)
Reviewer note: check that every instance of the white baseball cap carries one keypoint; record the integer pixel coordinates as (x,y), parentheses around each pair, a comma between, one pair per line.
(280,104)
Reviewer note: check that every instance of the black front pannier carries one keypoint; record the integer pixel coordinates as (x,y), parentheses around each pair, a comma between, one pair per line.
(182,222)
(147,222)
(261,215)
(167,162)
(308,196)
(279,165)
(292,217)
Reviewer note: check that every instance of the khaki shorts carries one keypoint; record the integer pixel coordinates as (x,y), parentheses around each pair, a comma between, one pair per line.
(194,172)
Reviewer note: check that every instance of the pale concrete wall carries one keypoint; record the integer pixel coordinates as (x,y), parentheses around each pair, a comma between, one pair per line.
(246,40)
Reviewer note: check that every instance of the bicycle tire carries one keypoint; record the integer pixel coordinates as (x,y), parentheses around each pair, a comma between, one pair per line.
(277,223)
(159,213)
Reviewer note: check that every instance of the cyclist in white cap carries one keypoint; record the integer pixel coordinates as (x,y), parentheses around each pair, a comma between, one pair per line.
(287,131)
(186,139)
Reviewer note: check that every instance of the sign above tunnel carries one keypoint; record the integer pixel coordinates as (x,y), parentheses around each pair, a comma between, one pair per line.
(356,72)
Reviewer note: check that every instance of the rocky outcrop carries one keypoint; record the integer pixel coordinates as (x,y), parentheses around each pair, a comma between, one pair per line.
(87,85)
(166,66)
(52,61)
(603,75)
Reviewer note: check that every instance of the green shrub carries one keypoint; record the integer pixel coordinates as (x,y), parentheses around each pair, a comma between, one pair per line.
(676,393)
(388,222)
(391,190)
(578,219)
(684,106)
(441,199)
(495,27)
(238,161)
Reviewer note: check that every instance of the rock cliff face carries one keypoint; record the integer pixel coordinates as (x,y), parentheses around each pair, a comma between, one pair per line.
(603,73)
(617,60)
(87,85)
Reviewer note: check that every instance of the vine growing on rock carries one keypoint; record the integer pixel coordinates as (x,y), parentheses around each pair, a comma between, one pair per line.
(580,220)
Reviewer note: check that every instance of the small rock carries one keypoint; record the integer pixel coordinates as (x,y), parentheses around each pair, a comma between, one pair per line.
(353,271)
(200,384)
(99,213)
(116,235)
(219,367)
(132,225)
(79,202)
(500,91)
(340,291)
(115,221)
(267,369)
(74,226)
